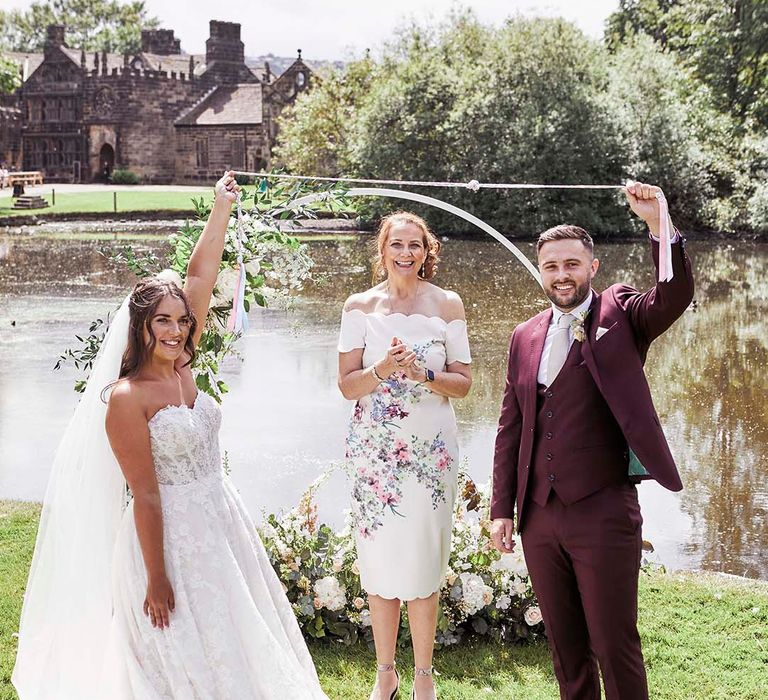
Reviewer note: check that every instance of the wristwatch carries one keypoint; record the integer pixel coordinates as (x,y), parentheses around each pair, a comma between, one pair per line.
(430,375)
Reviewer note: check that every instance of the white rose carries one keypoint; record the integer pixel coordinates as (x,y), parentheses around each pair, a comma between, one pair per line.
(474,593)
(331,593)
(359,603)
(337,566)
(226,281)
(532,616)
(253,267)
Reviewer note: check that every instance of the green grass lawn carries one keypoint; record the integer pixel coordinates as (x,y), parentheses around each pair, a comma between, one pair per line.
(704,637)
(90,202)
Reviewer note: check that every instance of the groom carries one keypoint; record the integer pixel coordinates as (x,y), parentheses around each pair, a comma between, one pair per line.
(576,402)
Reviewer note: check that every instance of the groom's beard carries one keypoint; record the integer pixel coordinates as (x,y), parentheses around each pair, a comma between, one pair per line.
(566,302)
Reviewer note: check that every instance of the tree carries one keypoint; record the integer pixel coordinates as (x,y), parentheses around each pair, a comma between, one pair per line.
(313,133)
(93,25)
(673,134)
(517,104)
(724,42)
(9,76)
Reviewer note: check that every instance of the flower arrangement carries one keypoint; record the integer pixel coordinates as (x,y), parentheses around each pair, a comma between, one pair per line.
(276,264)
(484,593)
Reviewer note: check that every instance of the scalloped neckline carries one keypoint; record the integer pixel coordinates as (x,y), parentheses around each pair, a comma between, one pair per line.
(400,313)
(180,407)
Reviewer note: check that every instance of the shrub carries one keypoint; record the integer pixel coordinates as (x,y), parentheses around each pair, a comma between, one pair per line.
(124,177)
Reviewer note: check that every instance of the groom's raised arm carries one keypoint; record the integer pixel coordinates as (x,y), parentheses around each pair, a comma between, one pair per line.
(654,311)
(504,485)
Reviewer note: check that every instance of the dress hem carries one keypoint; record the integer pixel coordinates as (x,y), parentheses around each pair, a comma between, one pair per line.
(403,598)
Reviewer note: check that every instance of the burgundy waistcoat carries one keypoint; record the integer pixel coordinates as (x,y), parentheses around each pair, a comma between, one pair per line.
(578,447)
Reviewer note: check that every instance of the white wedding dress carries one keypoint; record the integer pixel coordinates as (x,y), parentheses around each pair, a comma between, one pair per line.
(233,634)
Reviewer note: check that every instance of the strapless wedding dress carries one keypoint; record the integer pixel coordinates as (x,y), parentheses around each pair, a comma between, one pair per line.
(233,634)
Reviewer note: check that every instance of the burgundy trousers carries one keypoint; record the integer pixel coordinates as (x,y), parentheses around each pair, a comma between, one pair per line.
(584,562)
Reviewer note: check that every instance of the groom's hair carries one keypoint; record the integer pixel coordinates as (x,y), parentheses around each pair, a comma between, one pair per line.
(565,231)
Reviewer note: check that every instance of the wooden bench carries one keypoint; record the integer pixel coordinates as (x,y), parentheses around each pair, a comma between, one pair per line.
(19,178)
(25,177)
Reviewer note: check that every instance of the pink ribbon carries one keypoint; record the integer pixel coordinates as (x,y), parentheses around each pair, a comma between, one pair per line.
(238,318)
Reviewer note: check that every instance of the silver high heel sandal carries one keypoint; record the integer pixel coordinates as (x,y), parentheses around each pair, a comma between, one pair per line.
(420,672)
(384,668)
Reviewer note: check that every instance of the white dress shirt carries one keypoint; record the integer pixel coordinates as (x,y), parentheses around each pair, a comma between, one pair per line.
(556,314)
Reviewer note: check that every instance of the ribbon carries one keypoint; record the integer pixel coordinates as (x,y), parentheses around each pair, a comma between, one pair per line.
(665,239)
(238,318)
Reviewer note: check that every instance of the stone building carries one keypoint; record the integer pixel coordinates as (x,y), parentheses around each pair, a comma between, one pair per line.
(10,134)
(164,115)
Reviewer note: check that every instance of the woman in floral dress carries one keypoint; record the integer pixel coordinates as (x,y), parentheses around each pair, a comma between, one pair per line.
(403,353)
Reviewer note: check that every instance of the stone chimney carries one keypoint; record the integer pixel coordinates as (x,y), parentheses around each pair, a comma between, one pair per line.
(160,41)
(55,35)
(224,43)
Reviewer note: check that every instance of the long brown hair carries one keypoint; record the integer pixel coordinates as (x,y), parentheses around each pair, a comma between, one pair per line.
(431,243)
(145,298)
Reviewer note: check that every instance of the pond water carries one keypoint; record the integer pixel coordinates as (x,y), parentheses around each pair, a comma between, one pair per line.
(284,419)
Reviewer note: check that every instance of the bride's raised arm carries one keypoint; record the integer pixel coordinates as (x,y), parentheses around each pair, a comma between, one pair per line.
(206,257)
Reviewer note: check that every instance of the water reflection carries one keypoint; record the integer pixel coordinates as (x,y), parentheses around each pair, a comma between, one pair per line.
(284,419)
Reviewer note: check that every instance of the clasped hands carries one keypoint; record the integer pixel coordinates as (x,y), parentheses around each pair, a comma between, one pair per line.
(401,358)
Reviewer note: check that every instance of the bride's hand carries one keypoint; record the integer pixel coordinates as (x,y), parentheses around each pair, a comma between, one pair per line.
(227,188)
(159,603)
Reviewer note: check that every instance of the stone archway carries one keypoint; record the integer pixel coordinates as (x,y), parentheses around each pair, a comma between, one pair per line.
(106,162)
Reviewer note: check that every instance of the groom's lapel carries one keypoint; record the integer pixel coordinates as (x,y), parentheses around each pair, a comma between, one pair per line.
(538,336)
(591,325)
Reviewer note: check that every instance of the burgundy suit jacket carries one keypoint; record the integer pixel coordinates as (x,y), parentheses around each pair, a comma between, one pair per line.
(615,361)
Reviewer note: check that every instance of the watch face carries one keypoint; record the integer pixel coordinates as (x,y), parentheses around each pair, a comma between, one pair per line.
(430,375)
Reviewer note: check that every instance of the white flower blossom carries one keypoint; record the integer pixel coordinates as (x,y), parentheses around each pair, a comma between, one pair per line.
(226,281)
(474,593)
(330,593)
(532,616)
(514,563)
(503,602)
(519,587)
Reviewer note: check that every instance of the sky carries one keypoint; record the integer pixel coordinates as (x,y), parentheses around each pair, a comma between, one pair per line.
(341,29)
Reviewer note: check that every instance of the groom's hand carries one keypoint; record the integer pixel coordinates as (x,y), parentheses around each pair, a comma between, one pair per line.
(501,534)
(642,200)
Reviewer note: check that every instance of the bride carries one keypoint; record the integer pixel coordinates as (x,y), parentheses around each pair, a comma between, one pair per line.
(172,596)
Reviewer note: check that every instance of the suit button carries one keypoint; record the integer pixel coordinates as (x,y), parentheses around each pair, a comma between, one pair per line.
(531,429)
(549,456)
(551,477)
(548,436)
(526,466)
(550,394)
(550,414)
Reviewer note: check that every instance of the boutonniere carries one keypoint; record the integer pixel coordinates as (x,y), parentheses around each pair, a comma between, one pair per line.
(577,326)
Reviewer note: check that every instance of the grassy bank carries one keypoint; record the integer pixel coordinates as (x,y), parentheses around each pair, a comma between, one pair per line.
(705,638)
(104,202)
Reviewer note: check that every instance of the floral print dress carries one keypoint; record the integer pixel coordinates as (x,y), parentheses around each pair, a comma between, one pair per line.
(403,455)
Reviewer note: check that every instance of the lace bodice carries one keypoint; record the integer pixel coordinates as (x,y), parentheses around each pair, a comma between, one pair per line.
(185,441)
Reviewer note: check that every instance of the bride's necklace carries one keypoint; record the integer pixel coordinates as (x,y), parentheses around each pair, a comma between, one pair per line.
(408,311)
